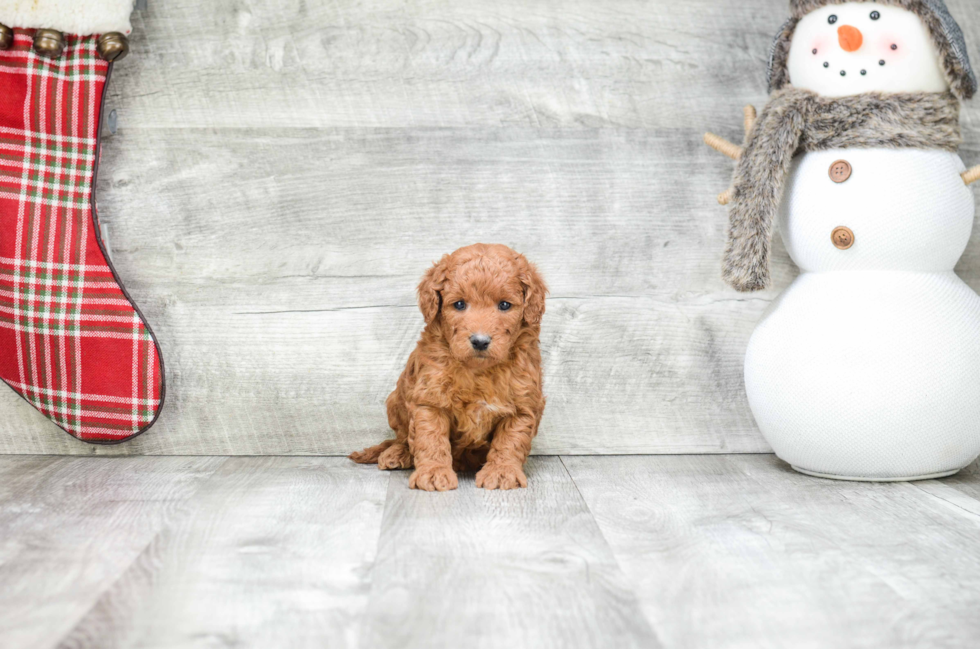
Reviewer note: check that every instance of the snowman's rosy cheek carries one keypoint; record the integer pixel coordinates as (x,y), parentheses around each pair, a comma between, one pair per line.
(819,46)
(889,48)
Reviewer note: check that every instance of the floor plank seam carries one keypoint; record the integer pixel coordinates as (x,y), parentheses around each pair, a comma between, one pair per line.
(950,503)
(369,585)
(612,551)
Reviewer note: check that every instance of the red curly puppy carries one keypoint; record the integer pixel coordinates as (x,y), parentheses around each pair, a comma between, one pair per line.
(470,395)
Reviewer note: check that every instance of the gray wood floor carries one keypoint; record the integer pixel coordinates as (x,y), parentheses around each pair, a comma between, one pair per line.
(670,551)
(285,170)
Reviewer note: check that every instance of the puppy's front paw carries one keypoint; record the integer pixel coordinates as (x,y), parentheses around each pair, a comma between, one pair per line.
(396,456)
(501,476)
(433,478)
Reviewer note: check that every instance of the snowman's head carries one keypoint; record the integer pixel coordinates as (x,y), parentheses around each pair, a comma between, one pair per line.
(857,47)
(838,48)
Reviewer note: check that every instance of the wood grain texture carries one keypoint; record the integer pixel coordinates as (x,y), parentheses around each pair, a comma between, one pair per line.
(381,63)
(475,568)
(671,551)
(70,527)
(285,171)
(740,551)
(276,552)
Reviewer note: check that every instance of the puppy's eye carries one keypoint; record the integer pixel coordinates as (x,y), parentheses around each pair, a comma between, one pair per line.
(504,306)
(875,15)
(832,19)
(459,305)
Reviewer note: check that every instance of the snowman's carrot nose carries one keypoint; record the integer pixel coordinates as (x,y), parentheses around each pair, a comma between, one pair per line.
(850,38)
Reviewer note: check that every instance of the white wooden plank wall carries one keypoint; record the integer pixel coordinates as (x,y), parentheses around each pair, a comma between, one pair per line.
(284,171)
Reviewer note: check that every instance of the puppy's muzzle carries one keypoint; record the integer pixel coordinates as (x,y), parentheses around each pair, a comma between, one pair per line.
(480,342)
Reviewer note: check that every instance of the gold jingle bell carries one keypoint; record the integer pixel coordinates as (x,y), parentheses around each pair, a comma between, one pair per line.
(113,46)
(6,37)
(49,43)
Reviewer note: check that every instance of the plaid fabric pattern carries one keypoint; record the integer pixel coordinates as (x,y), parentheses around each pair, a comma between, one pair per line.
(71,342)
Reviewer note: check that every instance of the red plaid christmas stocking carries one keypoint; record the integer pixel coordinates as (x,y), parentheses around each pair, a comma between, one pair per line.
(72,343)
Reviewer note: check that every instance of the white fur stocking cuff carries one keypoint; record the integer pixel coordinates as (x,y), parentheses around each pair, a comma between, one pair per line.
(81,17)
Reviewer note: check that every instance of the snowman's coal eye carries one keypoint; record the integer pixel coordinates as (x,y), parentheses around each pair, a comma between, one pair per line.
(875,15)
(832,19)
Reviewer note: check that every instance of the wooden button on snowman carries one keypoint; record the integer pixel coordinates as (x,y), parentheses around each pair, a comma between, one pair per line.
(868,366)
(840,171)
(842,237)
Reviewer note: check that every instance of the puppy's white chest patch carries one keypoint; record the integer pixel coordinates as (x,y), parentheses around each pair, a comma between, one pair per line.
(490,407)
(484,413)
(476,421)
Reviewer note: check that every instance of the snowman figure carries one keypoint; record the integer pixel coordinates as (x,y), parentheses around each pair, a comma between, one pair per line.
(868,366)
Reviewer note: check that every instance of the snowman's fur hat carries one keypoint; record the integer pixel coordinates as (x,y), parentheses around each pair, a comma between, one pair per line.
(944,29)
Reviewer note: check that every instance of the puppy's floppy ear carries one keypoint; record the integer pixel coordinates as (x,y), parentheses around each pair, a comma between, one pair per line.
(430,296)
(535,291)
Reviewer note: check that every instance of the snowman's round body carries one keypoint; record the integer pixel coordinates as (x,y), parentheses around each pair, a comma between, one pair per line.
(868,365)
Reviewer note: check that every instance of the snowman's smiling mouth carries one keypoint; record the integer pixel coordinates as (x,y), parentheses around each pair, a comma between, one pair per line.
(843,70)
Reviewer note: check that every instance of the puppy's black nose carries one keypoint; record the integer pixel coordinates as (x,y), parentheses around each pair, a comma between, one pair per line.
(480,342)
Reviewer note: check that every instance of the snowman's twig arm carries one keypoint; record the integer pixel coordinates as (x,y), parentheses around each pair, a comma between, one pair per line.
(730,149)
(971,176)
(721,145)
(750,117)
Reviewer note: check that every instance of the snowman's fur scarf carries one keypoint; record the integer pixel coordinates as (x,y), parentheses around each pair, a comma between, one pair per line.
(797,120)
(960,78)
